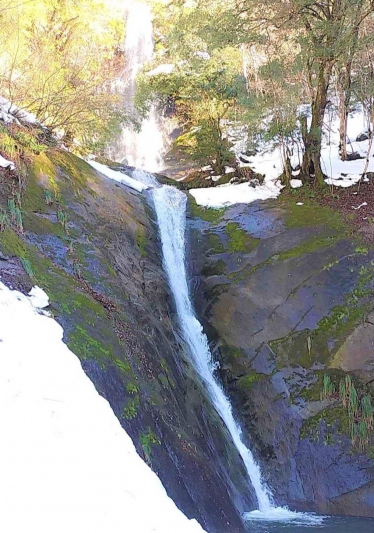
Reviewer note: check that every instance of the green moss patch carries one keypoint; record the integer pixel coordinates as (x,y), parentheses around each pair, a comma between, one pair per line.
(311,214)
(246,382)
(239,240)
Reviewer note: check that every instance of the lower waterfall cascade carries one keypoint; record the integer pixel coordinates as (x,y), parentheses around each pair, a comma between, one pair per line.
(170,206)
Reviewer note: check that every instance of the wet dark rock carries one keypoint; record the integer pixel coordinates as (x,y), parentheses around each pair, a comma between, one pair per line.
(281,315)
(362,137)
(354,156)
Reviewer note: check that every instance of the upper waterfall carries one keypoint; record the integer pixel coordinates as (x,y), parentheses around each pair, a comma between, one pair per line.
(142,148)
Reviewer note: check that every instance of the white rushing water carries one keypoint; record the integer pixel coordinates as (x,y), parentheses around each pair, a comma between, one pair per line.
(170,207)
(143,148)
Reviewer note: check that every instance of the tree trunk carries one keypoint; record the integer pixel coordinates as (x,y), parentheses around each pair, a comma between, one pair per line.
(343,121)
(311,166)
(344,77)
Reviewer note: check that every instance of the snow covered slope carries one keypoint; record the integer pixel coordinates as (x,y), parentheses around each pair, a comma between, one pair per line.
(66,465)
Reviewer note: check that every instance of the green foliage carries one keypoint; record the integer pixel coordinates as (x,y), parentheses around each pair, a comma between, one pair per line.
(61,65)
(27,266)
(132,388)
(147,440)
(131,410)
(124,366)
(29,141)
(328,387)
(206,95)
(4,220)
(48,197)
(357,405)
(8,146)
(15,214)
(62,218)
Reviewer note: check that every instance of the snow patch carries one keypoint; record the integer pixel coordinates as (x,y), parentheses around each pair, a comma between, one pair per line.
(10,113)
(225,195)
(38,298)
(5,163)
(295,184)
(66,464)
(118,176)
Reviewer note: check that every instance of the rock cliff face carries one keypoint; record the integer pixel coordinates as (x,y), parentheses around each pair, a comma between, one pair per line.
(93,246)
(285,294)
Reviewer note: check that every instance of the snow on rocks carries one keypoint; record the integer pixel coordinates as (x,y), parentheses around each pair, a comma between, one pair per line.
(230,194)
(295,184)
(38,298)
(5,163)
(118,176)
(9,113)
(65,461)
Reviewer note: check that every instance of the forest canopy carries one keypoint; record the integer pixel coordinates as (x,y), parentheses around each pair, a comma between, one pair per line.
(275,67)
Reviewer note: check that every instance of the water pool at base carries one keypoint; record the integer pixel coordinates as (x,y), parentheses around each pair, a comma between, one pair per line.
(328,525)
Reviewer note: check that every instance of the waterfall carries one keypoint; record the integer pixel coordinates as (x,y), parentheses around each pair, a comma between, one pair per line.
(170,205)
(143,148)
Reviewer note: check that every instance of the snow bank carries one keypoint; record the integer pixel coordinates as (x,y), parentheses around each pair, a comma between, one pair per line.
(118,176)
(66,465)
(268,162)
(295,184)
(225,195)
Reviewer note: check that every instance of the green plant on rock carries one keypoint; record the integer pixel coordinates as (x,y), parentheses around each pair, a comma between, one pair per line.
(147,440)
(4,220)
(358,406)
(15,214)
(62,218)
(353,403)
(8,145)
(328,387)
(48,197)
(131,409)
(123,365)
(367,410)
(29,141)
(27,266)
(132,388)
(343,392)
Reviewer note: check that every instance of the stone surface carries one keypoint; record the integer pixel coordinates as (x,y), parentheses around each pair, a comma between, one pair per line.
(281,314)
